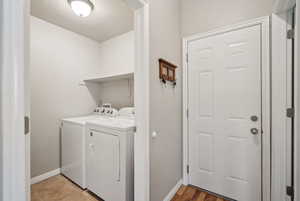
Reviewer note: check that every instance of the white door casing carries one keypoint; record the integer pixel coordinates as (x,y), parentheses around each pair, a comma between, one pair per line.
(222,120)
(27,95)
(13,160)
(281,100)
(297,101)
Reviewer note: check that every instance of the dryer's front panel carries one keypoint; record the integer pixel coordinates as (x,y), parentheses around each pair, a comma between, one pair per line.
(103,165)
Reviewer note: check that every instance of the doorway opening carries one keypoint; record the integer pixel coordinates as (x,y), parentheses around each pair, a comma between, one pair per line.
(16,36)
(82,100)
(227,99)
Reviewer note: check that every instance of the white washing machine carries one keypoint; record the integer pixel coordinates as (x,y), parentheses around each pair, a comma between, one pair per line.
(73,148)
(110,153)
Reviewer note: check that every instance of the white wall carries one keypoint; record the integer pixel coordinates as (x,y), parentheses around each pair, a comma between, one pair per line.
(119,93)
(165,102)
(116,55)
(203,15)
(60,59)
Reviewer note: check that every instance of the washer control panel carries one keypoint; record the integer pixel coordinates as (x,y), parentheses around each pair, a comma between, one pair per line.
(106,110)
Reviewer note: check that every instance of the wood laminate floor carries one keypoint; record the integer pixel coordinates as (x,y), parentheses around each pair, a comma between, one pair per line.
(190,193)
(58,188)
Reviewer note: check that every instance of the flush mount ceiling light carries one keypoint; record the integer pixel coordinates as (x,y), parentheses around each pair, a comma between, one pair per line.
(82,8)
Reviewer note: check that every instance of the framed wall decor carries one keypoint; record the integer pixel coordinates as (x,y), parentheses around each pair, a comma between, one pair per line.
(167,71)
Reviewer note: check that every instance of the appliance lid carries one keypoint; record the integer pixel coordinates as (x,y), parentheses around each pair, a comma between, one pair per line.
(127,112)
(81,120)
(114,123)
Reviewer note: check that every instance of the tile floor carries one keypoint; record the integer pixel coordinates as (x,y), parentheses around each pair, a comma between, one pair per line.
(58,188)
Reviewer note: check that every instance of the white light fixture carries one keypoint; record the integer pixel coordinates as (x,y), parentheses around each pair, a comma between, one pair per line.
(82,8)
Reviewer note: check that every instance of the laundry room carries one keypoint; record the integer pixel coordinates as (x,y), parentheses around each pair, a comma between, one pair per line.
(81,100)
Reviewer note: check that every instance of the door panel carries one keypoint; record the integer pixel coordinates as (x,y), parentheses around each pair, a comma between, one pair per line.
(224,92)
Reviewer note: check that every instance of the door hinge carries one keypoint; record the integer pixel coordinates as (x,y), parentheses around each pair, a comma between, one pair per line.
(290,112)
(187,113)
(188,169)
(26,125)
(291,34)
(290,191)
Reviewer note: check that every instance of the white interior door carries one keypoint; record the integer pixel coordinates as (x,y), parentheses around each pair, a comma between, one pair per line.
(224,92)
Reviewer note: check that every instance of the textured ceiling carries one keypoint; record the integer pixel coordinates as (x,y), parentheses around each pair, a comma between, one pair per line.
(108,19)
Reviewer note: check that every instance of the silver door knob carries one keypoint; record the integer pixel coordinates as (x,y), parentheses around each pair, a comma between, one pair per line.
(254,118)
(254,131)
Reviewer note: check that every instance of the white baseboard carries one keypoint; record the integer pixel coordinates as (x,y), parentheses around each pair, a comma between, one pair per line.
(173,191)
(45,176)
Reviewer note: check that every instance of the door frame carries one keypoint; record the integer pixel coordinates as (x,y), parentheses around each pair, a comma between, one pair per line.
(281,100)
(266,98)
(142,100)
(14,25)
(13,157)
(297,105)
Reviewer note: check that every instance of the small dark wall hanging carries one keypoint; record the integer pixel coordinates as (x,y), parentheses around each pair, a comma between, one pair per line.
(167,72)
